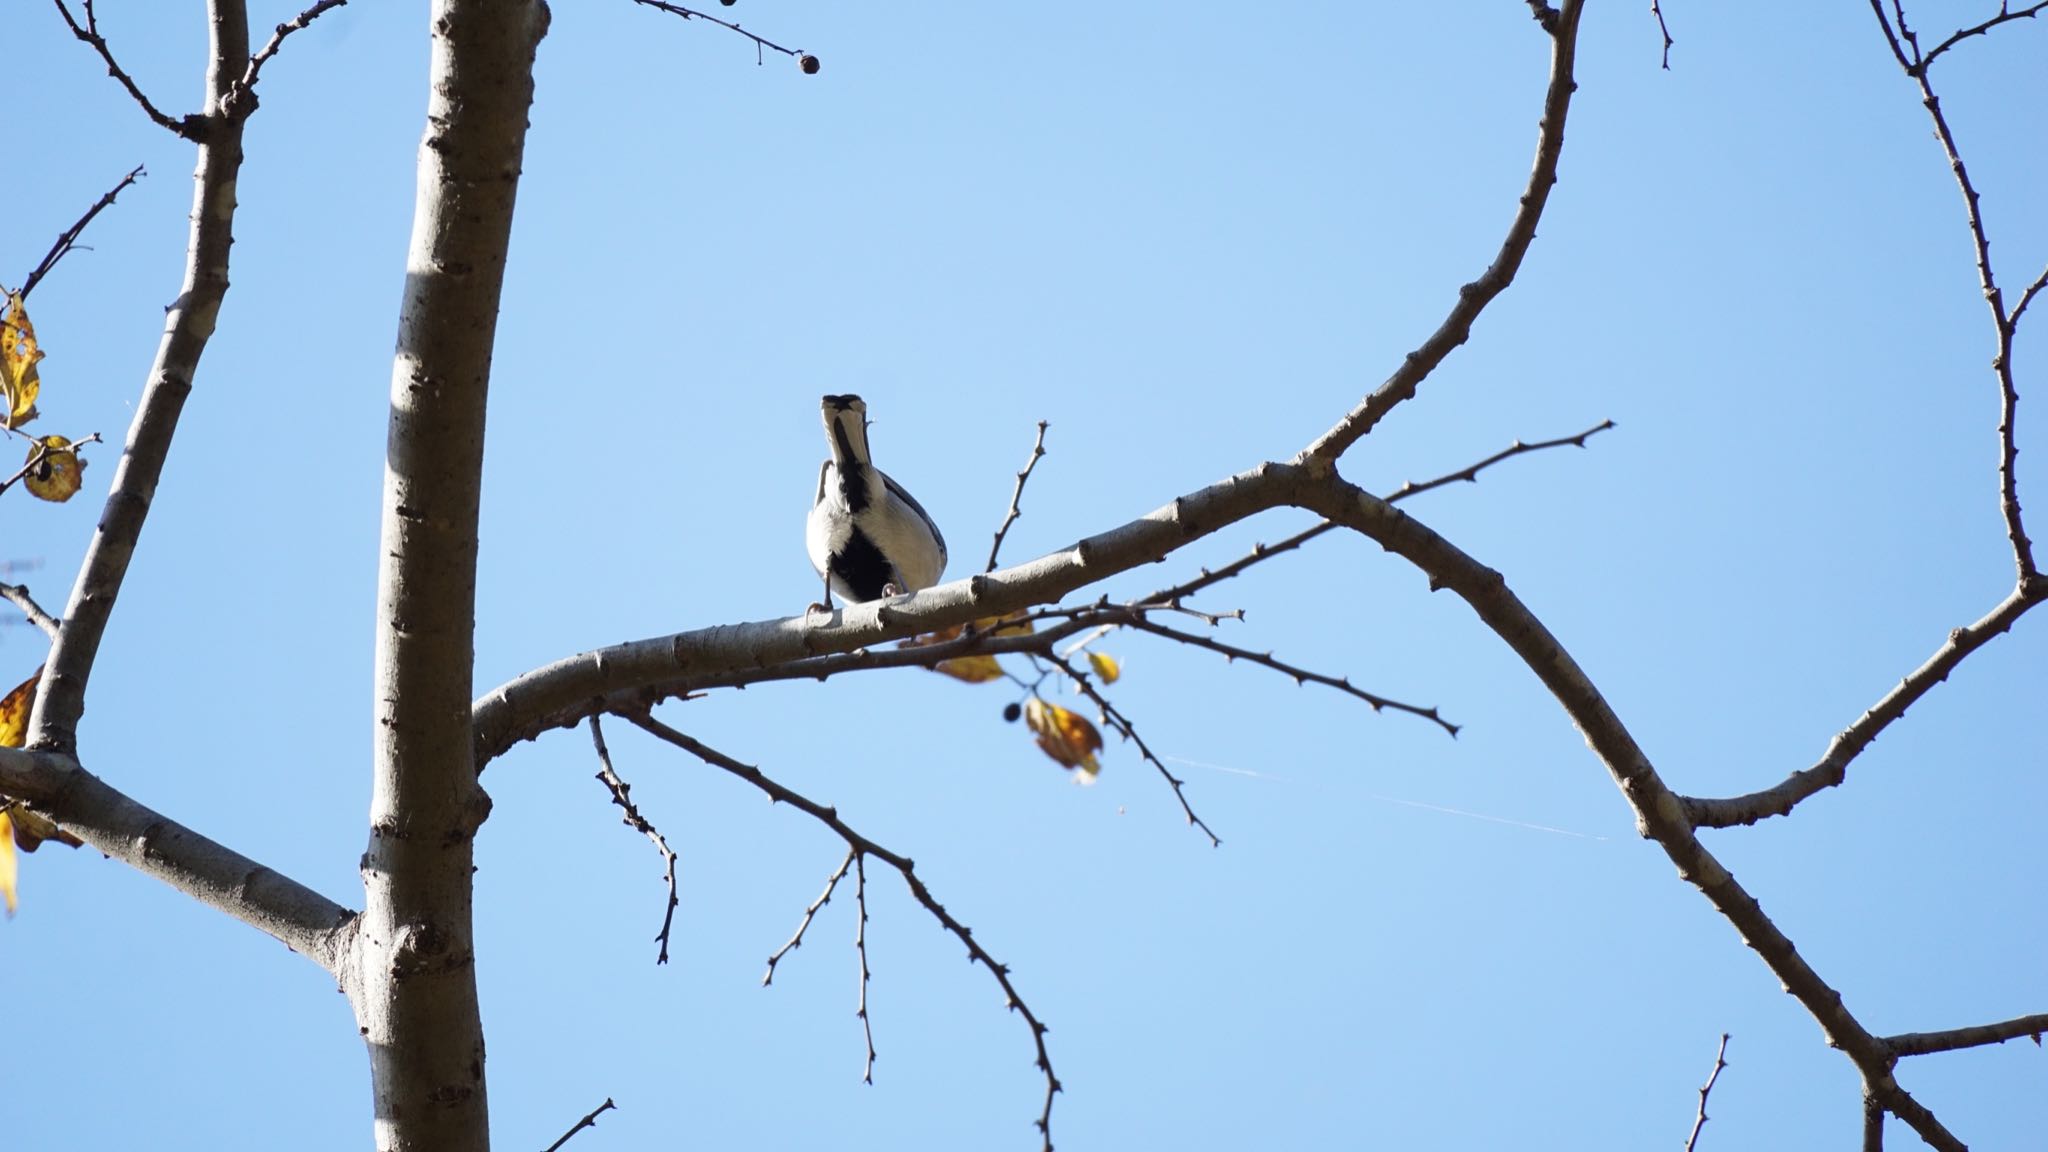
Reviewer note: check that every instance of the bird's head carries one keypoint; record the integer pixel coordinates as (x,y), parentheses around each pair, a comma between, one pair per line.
(846,427)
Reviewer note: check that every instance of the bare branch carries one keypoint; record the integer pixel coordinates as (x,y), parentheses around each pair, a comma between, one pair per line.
(1873,1121)
(277,38)
(1123,726)
(860,949)
(1976,1036)
(17,595)
(796,939)
(2027,298)
(1699,1120)
(1664,30)
(862,846)
(1833,767)
(190,127)
(216,876)
(2005,13)
(188,326)
(639,674)
(1661,815)
(1891,38)
(588,1121)
(2003,323)
(1037,453)
(1473,298)
(68,241)
(622,795)
(1299,675)
(760,42)
(1469,473)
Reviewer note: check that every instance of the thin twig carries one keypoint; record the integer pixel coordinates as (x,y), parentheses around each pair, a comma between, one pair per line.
(1299,675)
(69,240)
(2005,13)
(1906,50)
(1657,10)
(277,37)
(1699,1120)
(760,42)
(189,127)
(41,455)
(1123,726)
(1016,494)
(1469,473)
(904,867)
(1975,1036)
(588,1121)
(796,939)
(860,948)
(622,795)
(17,595)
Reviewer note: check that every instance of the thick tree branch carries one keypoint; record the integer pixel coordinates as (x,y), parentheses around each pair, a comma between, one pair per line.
(1660,813)
(414,990)
(1976,1036)
(564,692)
(1833,766)
(1473,298)
(188,325)
(148,841)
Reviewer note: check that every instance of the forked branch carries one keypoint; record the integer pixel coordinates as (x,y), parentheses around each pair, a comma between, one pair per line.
(861,847)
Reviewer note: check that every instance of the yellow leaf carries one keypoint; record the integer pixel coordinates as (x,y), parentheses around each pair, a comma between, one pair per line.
(977,669)
(19,378)
(58,474)
(7,862)
(32,828)
(1105,667)
(1017,623)
(14,711)
(1065,736)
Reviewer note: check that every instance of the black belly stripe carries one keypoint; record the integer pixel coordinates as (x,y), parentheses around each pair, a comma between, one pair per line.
(860,566)
(853,482)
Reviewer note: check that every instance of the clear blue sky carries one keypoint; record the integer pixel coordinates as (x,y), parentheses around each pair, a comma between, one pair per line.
(1189,238)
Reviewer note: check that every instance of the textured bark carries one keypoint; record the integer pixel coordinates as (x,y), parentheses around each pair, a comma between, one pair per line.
(188,325)
(413,980)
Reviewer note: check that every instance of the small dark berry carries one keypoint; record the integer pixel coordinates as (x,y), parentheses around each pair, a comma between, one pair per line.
(1012,710)
(808,63)
(728,3)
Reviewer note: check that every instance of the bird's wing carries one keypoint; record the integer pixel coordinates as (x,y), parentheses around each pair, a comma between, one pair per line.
(823,467)
(937,537)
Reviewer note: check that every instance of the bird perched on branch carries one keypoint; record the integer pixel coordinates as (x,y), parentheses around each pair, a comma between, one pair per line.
(867,537)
